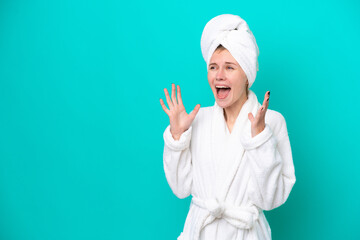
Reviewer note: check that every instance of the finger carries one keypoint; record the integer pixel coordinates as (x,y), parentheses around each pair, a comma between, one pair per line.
(179,95)
(168,100)
(195,111)
(173,95)
(265,104)
(260,112)
(266,98)
(261,109)
(164,107)
(251,117)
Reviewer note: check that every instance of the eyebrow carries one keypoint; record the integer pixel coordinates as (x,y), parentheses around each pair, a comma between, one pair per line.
(225,62)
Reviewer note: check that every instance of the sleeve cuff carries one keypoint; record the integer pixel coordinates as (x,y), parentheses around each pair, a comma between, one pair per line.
(177,145)
(249,143)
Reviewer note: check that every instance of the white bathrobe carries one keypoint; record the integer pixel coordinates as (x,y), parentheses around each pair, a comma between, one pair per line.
(232,177)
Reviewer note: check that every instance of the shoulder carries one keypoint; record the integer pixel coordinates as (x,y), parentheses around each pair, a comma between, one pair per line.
(276,121)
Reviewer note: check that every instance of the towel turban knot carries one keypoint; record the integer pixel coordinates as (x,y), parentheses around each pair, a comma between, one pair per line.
(234,34)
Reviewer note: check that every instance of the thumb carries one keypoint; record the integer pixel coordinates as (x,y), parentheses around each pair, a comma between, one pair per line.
(194,112)
(251,117)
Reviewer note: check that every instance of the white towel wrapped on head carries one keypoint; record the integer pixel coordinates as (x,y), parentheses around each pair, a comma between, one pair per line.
(234,34)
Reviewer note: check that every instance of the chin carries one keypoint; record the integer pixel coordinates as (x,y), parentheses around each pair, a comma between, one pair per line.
(224,103)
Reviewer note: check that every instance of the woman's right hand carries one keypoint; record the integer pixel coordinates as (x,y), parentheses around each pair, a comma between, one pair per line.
(180,121)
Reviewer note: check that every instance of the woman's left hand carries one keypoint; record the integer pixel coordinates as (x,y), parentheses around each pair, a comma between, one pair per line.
(258,123)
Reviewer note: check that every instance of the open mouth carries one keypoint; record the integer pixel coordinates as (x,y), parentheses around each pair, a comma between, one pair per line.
(222,91)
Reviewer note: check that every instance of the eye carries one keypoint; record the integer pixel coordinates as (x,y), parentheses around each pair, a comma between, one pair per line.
(211,68)
(231,67)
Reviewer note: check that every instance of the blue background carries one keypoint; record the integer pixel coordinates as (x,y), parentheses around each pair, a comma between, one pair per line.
(81,126)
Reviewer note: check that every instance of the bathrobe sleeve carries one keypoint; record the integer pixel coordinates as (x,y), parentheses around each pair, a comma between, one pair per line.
(177,162)
(270,159)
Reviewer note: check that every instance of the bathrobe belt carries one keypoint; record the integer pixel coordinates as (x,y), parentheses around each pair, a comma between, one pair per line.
(242,217)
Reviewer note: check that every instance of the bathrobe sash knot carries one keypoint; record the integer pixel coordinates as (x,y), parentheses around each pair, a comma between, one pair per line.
(239,216)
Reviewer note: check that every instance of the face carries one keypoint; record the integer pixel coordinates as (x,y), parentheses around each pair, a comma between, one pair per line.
(225,72)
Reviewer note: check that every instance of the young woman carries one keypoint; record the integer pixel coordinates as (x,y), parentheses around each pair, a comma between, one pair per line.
(234,158)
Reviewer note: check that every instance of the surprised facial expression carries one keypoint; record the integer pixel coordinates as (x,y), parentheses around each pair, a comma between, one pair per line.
(226,78)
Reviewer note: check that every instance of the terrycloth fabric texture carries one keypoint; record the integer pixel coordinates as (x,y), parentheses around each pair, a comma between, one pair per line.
(231,176)
(234,34)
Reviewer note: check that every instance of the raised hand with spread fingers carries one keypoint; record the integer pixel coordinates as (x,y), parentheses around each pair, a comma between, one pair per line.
(180,121)
(258,122)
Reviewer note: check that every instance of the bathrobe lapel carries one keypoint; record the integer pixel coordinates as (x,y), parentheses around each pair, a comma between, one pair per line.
(227,151)
(226,157)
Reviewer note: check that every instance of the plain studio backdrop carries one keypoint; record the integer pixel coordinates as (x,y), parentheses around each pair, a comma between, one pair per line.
(81,125)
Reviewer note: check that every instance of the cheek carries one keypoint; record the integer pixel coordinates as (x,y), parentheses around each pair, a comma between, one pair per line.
(239,87)
(210,79)
(209,75)
(241,84)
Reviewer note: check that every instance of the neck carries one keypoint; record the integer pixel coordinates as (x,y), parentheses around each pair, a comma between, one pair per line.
(231,112)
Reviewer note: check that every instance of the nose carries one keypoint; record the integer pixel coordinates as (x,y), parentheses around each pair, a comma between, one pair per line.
(220,74)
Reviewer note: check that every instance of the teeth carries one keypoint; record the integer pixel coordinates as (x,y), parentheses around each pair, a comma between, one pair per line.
(221,87)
